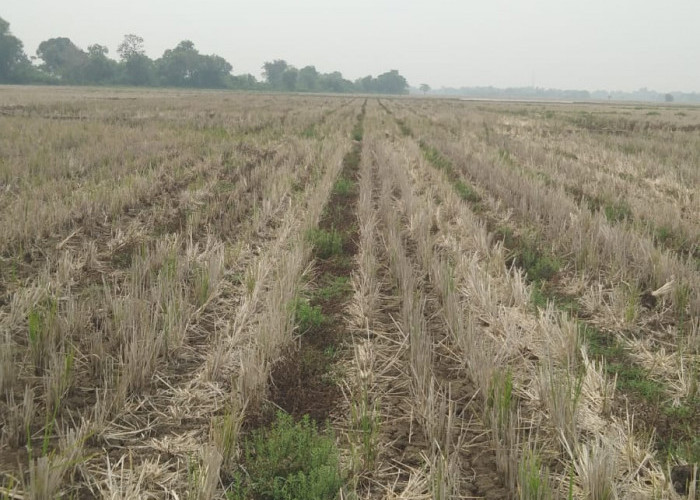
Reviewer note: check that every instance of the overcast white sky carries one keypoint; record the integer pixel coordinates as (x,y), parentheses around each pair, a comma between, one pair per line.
(581,44)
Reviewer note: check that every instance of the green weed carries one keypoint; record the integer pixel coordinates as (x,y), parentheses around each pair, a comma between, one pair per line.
(352,158)
(538,297)
(335,287)
(40,323)
(202,286)
(225,432)
(343,186)
(505,156)
(500,397)
(630,377)
(307,316)
(663,234)
(630,149)
(405,129)
(688,451)
(506,235)
(309,132)
(533,478)
(538,266)
(357,132)
(365,425)
(435,158)
(466,193)
(681,299)
(617,211)
(633,378)
(288,461)
(326,243)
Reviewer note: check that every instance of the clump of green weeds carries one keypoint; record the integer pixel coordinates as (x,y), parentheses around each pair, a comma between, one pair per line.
(500,398)
(617,211)
(435,158)
(630,377)
(466,193)
(405,129)
(310,132)
(533,478)
(538,266)
(308,316)
(40,333)
(334,287)
(352,158)
(663,234)
(506,235)
(357,132)
(326,243)
(289,461)
(505,156)
(343,186)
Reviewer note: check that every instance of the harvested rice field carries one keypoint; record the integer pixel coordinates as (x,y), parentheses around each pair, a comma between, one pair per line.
(249,296)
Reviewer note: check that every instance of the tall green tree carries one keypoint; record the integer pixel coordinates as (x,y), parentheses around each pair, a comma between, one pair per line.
(212,72)
(289,79)
(184,66)
(308,79)
(131,46)
(391,82)
(244,82)
(273,72)
(366,84)
(334,82)
(99,68)
(62,59)
(13,60)
(138,68)
(176,66)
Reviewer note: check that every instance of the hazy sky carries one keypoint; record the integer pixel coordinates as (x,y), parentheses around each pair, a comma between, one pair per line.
(582,44)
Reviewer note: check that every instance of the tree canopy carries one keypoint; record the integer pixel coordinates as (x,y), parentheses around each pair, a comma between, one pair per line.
(14,64)
(184,66)
(279,75)
(62,61)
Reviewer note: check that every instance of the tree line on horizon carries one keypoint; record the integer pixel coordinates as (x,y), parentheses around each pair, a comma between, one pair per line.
(62,62)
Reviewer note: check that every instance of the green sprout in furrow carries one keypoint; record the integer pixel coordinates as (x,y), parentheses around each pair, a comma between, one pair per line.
(289,460)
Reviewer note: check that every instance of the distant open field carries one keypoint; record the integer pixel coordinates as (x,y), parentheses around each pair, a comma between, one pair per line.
(247,296)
